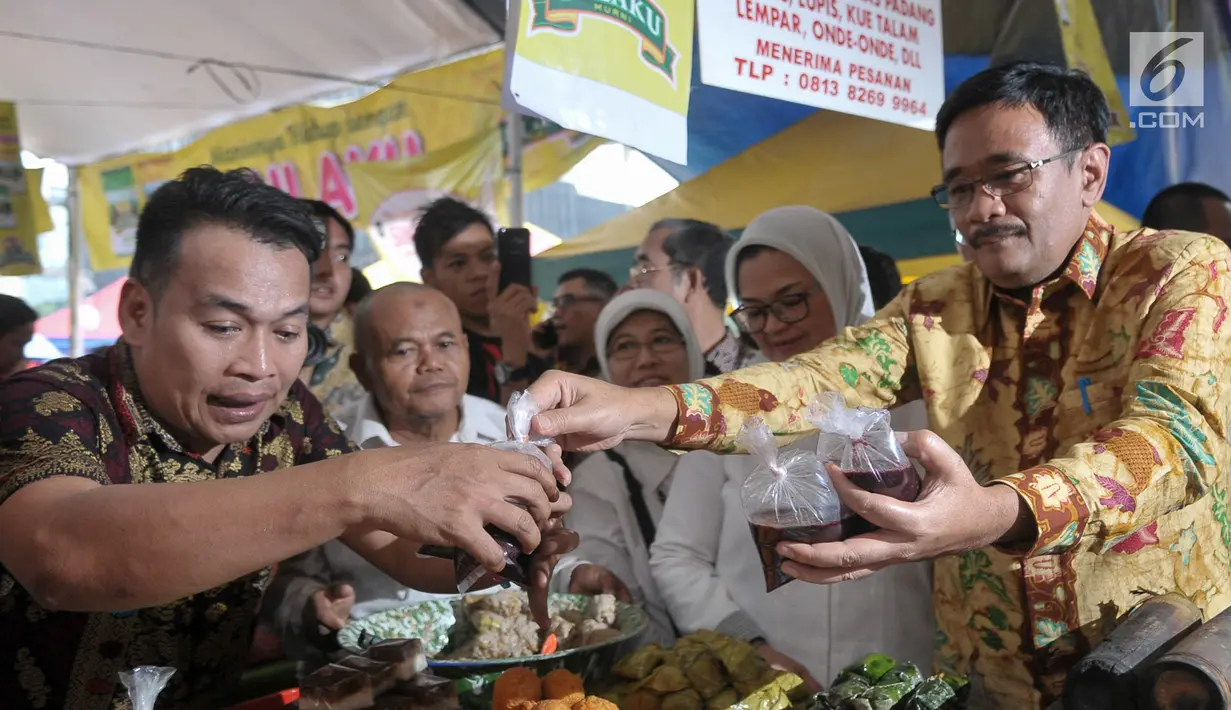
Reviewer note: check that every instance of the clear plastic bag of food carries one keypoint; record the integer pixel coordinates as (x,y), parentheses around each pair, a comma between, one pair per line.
(144,683)
(470,574)
(860,442)
(788,497)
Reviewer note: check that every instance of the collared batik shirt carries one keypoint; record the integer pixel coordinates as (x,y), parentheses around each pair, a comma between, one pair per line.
(333,382)
(86,418)
(1103,401)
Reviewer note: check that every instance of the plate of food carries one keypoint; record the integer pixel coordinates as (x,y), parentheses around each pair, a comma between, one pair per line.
(486,633)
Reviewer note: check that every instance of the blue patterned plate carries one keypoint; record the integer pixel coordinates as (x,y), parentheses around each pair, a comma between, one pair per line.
(433,621)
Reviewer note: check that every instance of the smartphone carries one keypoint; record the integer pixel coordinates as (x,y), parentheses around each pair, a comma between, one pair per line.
(513,251)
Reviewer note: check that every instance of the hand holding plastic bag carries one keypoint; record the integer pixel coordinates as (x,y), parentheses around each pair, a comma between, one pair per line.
(861,443)
(787,498)
(468,571)
(144,683)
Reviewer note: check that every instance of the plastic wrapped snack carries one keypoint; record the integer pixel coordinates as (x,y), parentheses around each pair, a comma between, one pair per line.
(144,683)
(860,442)
(787,498)
(470,574)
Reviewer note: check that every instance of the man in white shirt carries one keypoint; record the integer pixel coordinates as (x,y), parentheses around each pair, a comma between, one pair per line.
(411,356)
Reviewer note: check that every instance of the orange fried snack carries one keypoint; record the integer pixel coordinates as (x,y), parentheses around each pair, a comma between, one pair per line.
(514,687)
(594,702)
(561,684)
(553,705)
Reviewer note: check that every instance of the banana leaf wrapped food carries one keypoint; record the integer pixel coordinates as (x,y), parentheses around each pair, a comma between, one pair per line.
(707,674)
(932,694)
(687,699)
(640,663)
(704,670)
(723,700)
(849,689)
(641,700)
(778,694)
(664,680)
(871,667)
(877,682)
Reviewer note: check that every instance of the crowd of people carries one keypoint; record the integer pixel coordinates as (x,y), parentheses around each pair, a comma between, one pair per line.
(1062,391)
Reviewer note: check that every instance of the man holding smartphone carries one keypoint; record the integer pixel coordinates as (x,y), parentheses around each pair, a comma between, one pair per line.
(457,247)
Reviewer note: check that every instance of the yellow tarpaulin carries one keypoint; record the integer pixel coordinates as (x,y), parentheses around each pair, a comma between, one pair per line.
(23,214)
(313,152)
(831,161)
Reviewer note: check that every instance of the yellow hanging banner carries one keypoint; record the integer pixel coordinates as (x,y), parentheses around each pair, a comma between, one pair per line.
(620,69)
(315,152)
(1084,50)
(20,203)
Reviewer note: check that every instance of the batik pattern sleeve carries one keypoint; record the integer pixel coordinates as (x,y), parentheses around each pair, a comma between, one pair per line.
(871,365)
(1167,446)
(322,439)
(46,432)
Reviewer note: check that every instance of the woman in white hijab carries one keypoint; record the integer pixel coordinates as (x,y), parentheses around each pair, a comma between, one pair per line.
(799,279)
(642,338)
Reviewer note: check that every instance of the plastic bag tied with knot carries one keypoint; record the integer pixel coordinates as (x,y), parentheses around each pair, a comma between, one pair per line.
(144,683)
(860,442)
(787,498)
(467,570)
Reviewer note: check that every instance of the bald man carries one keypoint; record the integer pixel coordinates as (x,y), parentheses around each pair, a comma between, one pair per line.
(410,355)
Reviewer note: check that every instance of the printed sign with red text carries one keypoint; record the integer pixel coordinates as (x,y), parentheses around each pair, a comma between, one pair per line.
(882,59)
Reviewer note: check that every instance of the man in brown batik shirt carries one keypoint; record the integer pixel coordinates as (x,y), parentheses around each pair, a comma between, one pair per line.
(100,571)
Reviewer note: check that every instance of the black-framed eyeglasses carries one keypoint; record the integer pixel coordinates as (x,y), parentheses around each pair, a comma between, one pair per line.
(790,308)
(569,301)
(1008,180)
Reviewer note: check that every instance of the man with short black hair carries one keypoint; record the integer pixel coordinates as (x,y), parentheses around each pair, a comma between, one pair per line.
(1193,207)
(580,296)
(146,491)
(17,320)
(329,378)
(360,287)
(883,275)
(457,247)
(1076,379)
(671,259)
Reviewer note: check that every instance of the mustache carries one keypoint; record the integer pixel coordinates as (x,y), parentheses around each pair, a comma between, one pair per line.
(995,230)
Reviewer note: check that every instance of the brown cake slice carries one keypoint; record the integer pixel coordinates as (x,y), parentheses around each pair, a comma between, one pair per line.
(335,687)
(405,655)
(428,692)
(383,675)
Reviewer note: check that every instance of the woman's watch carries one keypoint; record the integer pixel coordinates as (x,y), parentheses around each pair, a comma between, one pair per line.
(506,373)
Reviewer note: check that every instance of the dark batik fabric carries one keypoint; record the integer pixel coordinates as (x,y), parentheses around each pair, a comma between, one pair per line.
(85,417)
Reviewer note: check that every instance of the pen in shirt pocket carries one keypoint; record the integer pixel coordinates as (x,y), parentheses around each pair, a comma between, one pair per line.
(1082,384)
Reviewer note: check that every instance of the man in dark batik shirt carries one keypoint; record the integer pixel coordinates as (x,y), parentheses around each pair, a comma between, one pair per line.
(101,572)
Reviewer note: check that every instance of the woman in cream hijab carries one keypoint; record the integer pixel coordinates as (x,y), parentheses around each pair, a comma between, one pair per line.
(799,279)
(642,338)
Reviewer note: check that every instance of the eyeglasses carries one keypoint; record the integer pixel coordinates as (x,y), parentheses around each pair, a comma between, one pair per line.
(569,301)
(660,346)
(637,273)
(1009,180)
(791,308)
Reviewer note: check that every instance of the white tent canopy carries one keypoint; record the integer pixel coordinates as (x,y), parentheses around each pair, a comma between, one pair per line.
(94,78)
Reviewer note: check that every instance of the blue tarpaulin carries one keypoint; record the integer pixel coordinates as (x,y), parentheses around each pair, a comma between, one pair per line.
(723,123)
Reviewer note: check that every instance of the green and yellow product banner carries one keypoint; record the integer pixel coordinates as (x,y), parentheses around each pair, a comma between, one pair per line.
(452,112)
